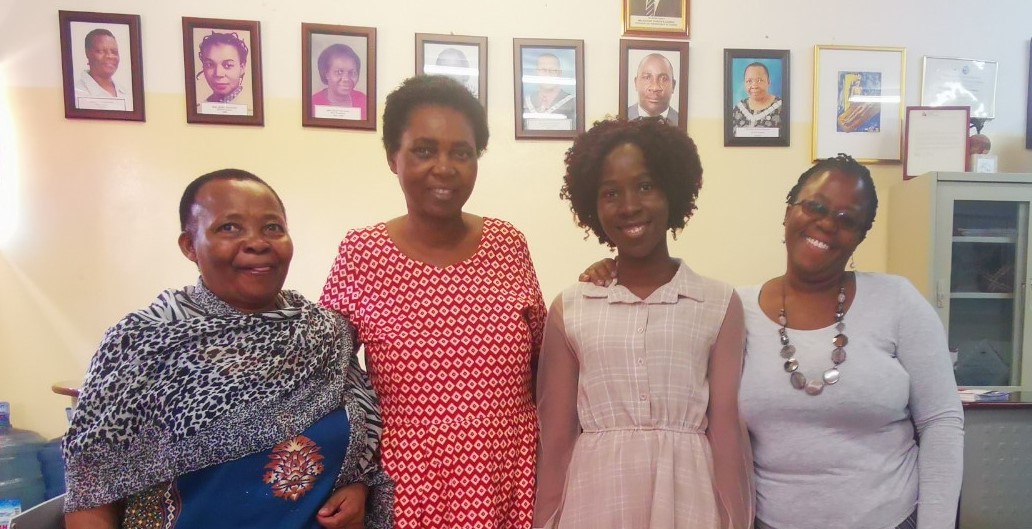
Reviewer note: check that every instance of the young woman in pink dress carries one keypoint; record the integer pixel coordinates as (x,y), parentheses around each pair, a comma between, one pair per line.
(448,307)
(638,379)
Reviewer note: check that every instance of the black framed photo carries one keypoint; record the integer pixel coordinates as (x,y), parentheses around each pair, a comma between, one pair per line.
(463,58)
(102,65)
(654,80)
(338,78)
(756,95)
(223,60)
(549,88)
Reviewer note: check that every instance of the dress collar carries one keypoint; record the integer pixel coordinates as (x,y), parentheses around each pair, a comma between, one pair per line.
(685,284)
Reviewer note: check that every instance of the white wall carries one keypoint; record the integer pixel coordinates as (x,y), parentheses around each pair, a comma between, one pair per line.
(93,203)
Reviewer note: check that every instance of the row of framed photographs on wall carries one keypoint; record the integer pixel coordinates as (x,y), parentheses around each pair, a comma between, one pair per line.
(103,78)
(858,91)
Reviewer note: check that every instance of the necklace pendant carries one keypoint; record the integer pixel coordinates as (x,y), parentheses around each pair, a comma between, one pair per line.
(798,380)
(791,365)
(814,388)
(787,351)
(840,340)
(838,355)
(831,376)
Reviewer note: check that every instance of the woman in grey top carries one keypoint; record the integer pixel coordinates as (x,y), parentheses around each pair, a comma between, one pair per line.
(848,390)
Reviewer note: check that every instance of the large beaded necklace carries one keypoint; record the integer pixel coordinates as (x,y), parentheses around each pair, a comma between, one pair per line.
(838,353)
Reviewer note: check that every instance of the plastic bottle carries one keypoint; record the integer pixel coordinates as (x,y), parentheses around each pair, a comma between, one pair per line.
(21,481)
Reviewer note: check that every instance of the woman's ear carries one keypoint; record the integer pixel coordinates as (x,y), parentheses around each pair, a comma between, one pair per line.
(391,163)
(186,245)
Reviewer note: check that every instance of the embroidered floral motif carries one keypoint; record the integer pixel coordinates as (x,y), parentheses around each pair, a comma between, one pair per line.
(293,467)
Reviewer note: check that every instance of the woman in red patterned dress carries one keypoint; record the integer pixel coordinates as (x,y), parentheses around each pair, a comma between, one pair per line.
(449,309)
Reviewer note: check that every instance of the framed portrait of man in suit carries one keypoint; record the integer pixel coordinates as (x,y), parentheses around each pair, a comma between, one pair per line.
(656,18)
(654,80)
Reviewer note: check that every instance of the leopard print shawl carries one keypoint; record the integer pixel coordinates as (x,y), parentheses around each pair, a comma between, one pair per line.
(190,382)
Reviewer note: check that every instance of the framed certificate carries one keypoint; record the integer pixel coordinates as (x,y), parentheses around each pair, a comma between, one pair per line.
(960,82)
(936,139)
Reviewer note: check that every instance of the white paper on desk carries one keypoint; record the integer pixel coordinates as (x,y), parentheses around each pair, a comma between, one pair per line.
(936,140)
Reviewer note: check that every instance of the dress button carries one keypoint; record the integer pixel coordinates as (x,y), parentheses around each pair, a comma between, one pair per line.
(641,361)
(641,330)
(643,397)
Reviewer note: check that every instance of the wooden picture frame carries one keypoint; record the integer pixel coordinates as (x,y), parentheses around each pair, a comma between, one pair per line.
(101,65)
(461,57)
(654,80)
(338,76)
(669,18)
(546,107)
(757,112)
(227,56)
(858,94)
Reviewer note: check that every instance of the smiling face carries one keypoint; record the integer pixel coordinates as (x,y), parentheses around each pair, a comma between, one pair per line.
(436,162)
(341,76)
(102,56)
(238,237)
(632,209)
(818,248)
(655,84)
(757,82)
(223,68)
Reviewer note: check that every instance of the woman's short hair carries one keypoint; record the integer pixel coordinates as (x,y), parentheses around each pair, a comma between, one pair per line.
(189,198)
(757,65)
(670,155)
(95,34)
(846,164)
(334,51)
(432,90)
(227,39)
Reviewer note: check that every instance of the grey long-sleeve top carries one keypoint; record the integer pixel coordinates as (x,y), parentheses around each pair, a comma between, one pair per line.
(849,457)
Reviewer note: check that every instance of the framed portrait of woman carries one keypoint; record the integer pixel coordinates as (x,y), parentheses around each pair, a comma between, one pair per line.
(223,60)
(654,80)
(756,89)
(463,58)
(338,76)
(549,88)
(102,65)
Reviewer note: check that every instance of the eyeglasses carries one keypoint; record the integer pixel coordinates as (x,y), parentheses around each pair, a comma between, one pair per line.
(843,219)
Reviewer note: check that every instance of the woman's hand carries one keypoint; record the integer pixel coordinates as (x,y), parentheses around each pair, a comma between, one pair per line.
(345,509)
(601,273)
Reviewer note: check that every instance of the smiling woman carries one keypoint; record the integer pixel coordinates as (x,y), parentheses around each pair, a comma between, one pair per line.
(448,307)
(169,409)
(613,409)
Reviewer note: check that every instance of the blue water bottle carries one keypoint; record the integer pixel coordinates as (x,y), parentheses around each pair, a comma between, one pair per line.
(21,480)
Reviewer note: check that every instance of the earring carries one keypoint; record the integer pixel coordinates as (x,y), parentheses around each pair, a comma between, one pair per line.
(852,263)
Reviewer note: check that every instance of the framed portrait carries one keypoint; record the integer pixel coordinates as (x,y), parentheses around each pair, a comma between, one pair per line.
(102,65)
(654,80)
(549,88)
(756,96)
(947,81)
(656,18)
(858,102)
(462,58)
(338,76)
(223,60)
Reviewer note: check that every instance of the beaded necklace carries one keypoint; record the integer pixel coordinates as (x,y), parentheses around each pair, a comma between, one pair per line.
(838,352)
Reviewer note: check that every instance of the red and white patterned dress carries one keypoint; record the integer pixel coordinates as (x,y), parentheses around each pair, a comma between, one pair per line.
(449,352)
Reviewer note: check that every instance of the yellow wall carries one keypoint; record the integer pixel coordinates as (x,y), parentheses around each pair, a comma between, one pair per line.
(94,202)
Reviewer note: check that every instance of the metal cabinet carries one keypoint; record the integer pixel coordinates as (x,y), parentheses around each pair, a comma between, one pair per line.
(963,240)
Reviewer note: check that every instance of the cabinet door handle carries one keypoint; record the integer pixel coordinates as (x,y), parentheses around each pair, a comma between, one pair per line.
(940,296)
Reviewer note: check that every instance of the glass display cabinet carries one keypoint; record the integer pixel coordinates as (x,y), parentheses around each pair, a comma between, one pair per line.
(963,240)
